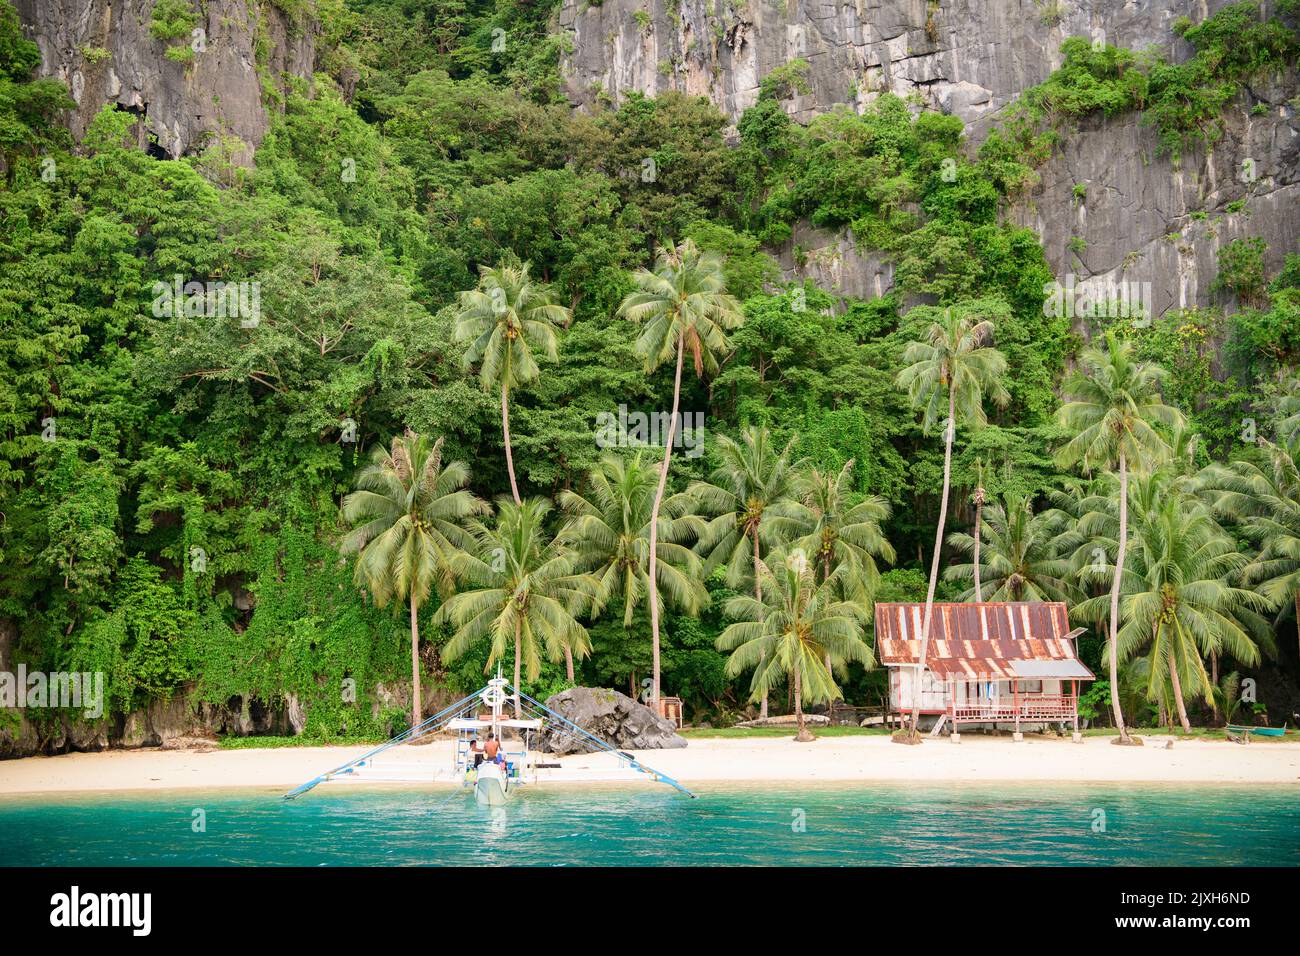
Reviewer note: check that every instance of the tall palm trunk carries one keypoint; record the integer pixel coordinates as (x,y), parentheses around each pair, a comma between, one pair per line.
(505,431)
(802,733)
(1113,656)
(514,492)
(1214,682)
(979,516)
(654,517)
(416,702)
(1178,693)
(826,575)
(518,661)
(568,662)
(758,596)
(949,429)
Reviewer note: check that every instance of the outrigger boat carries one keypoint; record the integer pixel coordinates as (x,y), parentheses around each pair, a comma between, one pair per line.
(493,784)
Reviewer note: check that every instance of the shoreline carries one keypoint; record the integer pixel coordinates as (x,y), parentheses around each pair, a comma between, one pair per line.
(837,760)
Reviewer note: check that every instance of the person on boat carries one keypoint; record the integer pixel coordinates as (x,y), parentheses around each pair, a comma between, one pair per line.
(492,748)
(475,752)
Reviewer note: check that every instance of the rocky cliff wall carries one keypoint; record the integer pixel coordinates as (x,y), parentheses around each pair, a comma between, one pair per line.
(965,57)
(104,51)
(1140,218)
(1143,218)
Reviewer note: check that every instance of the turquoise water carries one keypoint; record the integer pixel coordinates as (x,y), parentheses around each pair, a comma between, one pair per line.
(771,825)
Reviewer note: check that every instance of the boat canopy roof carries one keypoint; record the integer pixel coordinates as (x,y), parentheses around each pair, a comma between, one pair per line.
(470,723)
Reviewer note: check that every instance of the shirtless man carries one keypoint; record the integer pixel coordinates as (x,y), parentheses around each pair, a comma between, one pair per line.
(493,753)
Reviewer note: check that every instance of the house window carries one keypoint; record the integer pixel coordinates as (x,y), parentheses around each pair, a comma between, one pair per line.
(1031,686)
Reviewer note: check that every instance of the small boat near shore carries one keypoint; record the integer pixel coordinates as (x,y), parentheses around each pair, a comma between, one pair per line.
(1258,731)
(493,783)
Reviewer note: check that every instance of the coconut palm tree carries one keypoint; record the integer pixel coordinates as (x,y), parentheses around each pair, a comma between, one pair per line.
(1179,601)
(1114,408)
(1020,558)
(683,306)
(407,514)
(1073,509)
(951,369)
(752,482)
(525,592)
(834,530)
(791,630)
(1264,498)
(837,532)
(502,322)
(608,535)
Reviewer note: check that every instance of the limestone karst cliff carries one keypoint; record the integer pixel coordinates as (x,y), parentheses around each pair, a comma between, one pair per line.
(105,52)
(966,57)
(1144,216)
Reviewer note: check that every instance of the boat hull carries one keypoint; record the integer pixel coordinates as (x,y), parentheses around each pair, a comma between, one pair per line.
(1258,731)
(491,788)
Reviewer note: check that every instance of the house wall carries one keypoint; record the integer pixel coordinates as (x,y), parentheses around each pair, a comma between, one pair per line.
(902,680)
(937,696)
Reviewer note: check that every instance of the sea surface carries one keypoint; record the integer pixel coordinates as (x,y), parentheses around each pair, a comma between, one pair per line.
(879,824)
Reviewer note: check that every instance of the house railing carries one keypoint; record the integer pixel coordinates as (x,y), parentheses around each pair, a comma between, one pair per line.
(1031,706)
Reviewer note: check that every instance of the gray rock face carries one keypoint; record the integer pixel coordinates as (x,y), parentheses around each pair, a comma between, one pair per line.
(613,717)
(834,262)
(1144,219)
(179,722)
(176,723)
(965,57)
(1141,220)
(103,51)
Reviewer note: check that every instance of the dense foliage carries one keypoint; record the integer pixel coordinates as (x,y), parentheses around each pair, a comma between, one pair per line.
(171,482)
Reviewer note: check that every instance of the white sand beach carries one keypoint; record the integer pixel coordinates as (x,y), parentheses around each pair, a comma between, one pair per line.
(829,759)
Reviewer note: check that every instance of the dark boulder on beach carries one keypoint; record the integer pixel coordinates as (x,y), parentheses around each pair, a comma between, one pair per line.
(615,718)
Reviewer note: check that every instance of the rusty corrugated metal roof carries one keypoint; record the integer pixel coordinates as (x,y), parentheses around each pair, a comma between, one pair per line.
(968,668)
(974,640)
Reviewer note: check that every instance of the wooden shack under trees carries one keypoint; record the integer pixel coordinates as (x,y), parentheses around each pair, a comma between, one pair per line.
(990,663)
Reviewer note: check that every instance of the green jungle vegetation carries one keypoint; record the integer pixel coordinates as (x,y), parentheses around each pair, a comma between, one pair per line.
(443,249)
